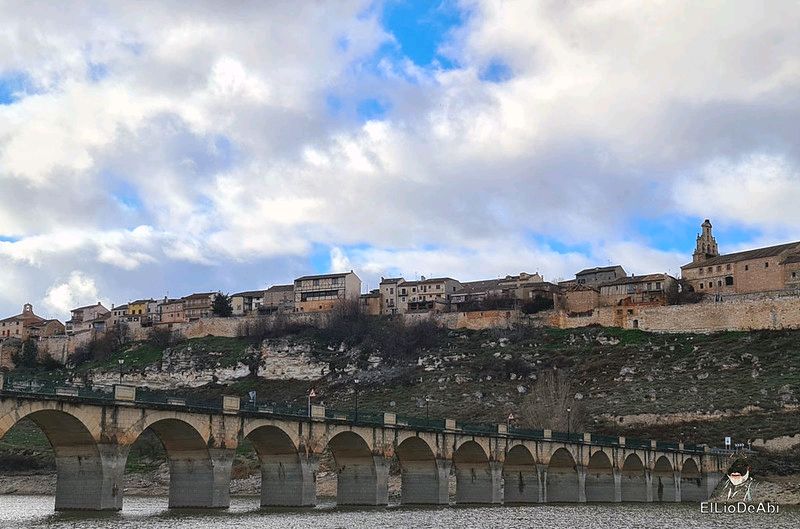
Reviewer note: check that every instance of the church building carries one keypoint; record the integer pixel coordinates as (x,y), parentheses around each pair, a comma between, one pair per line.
(768,269)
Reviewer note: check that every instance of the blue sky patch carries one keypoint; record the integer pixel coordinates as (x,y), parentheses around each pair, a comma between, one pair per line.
(13,87)
(420,27)
(496,72)
(372,108)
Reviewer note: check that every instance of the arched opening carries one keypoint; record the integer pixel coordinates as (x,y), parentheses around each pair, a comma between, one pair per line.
(520,478)
(477,480)
(633,479)
(663,480)
(80,483)
(361,477)
(423,479)
(287,480)
(562,478)
(599,478)
(191,472)
(692,483)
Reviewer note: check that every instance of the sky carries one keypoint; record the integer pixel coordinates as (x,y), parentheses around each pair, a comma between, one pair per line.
(163,148)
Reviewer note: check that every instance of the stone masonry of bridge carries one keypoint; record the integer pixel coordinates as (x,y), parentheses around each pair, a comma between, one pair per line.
(91,439)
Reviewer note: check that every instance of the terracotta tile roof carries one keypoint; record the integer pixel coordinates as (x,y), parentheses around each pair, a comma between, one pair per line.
(281,288)
(598,269)
(249,294)
(323,276)
(757,253)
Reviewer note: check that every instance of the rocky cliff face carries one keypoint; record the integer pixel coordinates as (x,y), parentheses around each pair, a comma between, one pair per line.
(195,366)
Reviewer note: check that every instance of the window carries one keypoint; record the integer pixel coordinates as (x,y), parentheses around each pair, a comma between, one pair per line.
(438,287)
(710,269)
(315,282)
(794,274)
(729,281)
(658,285)
(701,286)
(719,283)
(766,265)
(746,267)
(727,267)
(701,271)
(391,291)
(334,281)
(630,312)
(719,268)
(649,286)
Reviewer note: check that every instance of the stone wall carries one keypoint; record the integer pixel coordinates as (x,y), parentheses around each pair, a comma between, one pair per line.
(732,314)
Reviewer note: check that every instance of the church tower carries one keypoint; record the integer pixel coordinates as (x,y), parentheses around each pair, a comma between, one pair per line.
(706,244)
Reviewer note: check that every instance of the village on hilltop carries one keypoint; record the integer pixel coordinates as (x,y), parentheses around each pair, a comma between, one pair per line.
(738,291)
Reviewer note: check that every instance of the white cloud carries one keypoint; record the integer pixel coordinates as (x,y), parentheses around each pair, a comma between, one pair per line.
(76,291)
(164,139)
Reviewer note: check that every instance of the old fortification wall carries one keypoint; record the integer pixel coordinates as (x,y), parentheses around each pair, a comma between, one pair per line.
(730,314)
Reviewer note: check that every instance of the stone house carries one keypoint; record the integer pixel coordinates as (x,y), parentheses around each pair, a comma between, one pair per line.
(600,274)
(246,302)
(278,299)
(370,303)
(472,292)
(27,323)
(578,299)
(426,294)
(390,294)
(651,289)
(767,269)
(119,314)
(196,306)
(139,311)
(88,318)
(171,311)
(320,293)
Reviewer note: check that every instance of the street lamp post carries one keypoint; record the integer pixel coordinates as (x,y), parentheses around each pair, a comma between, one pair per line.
(356,381)
(509,420)
(427,408)
(569,422)
(120,361)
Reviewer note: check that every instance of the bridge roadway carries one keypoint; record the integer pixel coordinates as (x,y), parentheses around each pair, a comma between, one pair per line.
(92,432)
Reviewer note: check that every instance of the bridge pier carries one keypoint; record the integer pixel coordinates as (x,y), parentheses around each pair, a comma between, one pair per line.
(479,483)
(289,481)
(635,486)
(200,479)
(363,482)
(521,484)
(425,482)
(89,479)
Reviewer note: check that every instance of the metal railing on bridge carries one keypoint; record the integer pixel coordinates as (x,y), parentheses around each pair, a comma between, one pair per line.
(21,386)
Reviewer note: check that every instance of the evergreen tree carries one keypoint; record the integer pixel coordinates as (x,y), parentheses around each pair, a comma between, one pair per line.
(221,306)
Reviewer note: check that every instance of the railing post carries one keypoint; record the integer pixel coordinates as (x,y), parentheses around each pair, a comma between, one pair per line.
(317,411)
(622,440)
(502,429)
(587,438)
(449,424)
(547,433)
(653,444)
(389,418)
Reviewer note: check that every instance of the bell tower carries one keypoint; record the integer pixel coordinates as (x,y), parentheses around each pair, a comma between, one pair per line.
(706,244)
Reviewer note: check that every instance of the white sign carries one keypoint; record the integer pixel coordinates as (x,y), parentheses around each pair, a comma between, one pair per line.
(727,442)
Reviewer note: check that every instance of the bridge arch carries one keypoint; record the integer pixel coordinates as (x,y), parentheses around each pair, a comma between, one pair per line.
(191,471)
(663,480)
(361,476)
(562,484)
(477,479)
(633,479)
(80,471)
(287,479)
(424,479)
(692,482)
(599,478)
(520,476)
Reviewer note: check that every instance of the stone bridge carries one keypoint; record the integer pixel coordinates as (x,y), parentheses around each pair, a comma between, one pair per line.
(91,435)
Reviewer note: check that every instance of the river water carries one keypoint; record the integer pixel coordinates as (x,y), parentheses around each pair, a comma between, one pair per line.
(21,512)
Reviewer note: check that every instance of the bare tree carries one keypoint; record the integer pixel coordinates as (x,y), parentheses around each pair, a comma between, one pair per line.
(551,403)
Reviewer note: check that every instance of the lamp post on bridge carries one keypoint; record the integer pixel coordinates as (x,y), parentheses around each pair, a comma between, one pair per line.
(427,408)
(120,361)
(509,420)
(569,422)
(356,381)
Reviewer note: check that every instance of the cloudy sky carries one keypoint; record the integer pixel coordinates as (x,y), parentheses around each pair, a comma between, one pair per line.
(162,147)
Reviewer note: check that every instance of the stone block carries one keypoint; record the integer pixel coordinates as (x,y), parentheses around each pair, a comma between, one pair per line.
(502,429)
(653,444)
(587,438)
(548,434)
(449,424)
(175,401)
(317,411)
(622,440)
(230,404)
(389,418)
(124,393)
(67,392)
